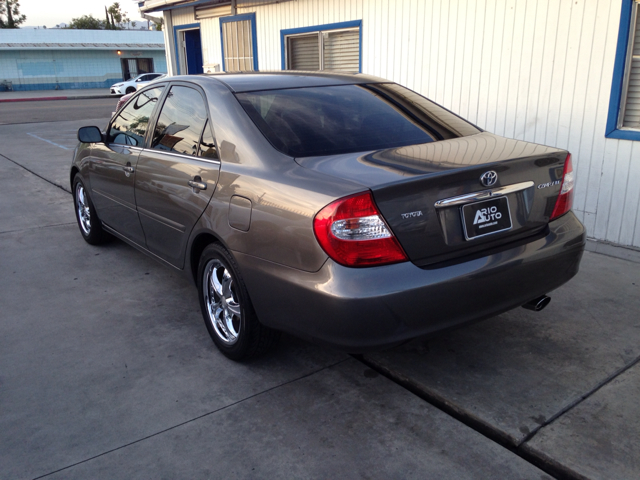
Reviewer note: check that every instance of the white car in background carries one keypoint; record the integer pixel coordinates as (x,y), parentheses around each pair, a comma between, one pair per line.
(133,84)
(123,99)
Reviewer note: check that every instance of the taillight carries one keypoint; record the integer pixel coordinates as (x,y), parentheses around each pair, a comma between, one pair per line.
(565,199)
(353,233)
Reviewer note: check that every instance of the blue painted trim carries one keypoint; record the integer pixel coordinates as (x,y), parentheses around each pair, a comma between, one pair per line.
(224,69)
(254,36)
(282,55)
(618,77)
(360,50)
(190,26)
(624,135)
(318,28)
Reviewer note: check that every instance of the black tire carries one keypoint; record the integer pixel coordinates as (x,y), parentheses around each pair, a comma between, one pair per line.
(130,90)
(86,216)
(227,309)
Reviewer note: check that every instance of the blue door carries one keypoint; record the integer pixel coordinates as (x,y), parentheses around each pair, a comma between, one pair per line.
(194,52)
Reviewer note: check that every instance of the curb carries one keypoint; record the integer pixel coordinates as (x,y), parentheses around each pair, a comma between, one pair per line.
(42,99)
(630,254)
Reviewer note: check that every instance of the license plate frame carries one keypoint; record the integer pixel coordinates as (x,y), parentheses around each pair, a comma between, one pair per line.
(486,217)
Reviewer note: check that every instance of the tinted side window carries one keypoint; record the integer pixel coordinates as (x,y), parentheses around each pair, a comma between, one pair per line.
(208,147)
(130,126)
(181,121)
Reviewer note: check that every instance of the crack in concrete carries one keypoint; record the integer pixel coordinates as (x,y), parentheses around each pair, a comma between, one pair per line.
(193,419)
(580,399)
(537,459)
(36,174)
(40,226)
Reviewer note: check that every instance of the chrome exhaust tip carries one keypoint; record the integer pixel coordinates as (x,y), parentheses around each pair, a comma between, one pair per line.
(537,304)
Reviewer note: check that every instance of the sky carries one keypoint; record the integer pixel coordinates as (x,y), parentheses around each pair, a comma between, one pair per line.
(54,12)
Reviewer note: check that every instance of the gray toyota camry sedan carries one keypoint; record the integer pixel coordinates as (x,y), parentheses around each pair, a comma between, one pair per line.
(345,209)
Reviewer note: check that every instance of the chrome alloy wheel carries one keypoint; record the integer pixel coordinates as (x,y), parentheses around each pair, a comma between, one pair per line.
(82,205)
(221,301)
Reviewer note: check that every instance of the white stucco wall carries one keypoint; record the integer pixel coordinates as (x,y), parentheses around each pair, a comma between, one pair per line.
(46,59)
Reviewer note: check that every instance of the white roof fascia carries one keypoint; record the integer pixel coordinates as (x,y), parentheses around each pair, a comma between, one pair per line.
(153,5)
(80,46)
(160,5)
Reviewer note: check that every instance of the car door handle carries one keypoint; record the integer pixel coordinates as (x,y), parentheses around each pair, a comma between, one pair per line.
(197,185)
(128,169)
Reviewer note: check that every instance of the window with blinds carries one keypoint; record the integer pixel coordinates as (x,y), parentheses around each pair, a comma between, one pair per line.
(630,104)
(238,44)
(334,50)
(304,52)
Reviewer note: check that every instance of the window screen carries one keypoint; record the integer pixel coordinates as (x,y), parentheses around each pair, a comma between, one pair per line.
(130,126)
(237,41)
(304,52)
(630,112)
(342,51)
(181,121)
(334,50)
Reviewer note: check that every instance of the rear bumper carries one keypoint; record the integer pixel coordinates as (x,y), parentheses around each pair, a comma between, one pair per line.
(361,309)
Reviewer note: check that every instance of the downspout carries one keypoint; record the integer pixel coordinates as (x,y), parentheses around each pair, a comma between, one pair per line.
(234,7)
(170,49)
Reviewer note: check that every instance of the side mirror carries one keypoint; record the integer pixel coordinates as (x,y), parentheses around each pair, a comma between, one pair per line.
(90,135)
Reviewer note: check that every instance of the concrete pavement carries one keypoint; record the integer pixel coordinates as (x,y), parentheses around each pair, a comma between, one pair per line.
(45,149)
(598,438)
(106,370)
(518,375)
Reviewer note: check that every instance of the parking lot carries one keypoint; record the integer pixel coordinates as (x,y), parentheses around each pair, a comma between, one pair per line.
(107,371)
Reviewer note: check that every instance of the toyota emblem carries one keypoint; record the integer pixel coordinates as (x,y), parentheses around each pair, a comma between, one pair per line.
(489,178)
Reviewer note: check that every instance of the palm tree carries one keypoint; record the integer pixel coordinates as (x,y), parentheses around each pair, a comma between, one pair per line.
(11,9)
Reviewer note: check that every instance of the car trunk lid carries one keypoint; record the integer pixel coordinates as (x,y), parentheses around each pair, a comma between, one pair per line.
(432,197)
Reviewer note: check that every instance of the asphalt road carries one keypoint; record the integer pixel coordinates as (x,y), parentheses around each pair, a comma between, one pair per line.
(56,110)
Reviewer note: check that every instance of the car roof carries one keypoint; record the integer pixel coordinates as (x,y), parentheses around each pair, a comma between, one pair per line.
(247,82)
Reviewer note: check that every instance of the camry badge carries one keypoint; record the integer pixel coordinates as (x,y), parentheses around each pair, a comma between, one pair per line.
(417,213)
(489,178)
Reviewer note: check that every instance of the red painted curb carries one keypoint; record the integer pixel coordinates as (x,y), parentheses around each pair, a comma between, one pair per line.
(31,99)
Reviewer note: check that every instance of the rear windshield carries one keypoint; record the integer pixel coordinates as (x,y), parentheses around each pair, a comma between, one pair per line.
(313,121)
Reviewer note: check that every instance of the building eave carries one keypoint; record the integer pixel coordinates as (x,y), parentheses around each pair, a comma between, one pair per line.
(162,5)
(81,46)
